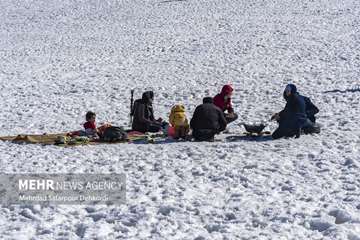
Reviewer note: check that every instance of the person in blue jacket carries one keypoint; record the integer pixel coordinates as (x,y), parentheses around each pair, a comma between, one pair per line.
(297,116)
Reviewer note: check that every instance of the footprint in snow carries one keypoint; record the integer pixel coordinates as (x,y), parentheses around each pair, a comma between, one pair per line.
(80,230)
(28,214)
(319,225)
(252,166)
(166,210)
(213,228)
(340,216)
(97,216)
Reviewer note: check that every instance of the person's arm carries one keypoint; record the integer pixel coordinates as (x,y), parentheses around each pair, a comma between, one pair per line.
(222,121)
(275,116)
(152,118)
(280,114)
(194,119)
(283,112)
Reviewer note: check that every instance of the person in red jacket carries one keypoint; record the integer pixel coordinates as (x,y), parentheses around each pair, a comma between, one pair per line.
(223,101)
(90,124)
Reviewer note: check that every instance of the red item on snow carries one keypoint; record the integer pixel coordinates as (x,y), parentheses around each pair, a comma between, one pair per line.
(171,132)
(219,99)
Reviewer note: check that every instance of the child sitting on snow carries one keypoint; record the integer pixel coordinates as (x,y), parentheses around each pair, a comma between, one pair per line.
(179,121)
(90,125)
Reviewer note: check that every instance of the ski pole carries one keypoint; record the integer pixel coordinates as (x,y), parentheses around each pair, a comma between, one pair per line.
(131,106)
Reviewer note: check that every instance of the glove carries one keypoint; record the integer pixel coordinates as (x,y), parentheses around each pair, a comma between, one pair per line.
(276,117)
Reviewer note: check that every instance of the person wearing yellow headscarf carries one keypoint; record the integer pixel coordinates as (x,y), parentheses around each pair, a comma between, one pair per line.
(179,121)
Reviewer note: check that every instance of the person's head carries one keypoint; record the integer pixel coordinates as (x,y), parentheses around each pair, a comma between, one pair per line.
(208,100)
(178,108)
(148,97)
(90,116)
(289,91)
(227,91)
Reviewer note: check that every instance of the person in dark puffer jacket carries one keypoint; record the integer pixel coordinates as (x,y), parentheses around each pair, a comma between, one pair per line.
(294,118)
(207,121)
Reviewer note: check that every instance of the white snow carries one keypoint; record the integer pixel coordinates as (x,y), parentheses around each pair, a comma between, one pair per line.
(59,59)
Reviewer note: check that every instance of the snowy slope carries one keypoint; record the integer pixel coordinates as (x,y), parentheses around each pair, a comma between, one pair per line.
(62,58)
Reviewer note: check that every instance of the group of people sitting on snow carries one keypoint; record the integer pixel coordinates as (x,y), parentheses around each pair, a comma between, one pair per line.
(209,119)
(214,114)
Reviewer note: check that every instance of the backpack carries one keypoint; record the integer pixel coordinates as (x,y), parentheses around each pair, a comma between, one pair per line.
(112,134)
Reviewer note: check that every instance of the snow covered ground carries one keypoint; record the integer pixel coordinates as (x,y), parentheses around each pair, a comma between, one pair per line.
(60,58)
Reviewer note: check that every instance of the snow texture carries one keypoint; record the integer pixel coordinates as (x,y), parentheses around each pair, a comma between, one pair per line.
(61,58)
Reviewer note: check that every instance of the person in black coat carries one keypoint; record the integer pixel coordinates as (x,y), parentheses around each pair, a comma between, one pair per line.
(295,116)
(310,109)
(207,121)
(143,114)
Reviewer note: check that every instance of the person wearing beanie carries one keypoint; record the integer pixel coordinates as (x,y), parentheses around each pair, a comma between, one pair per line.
(207,121)
(294,119)
(310,109)
(223,101)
